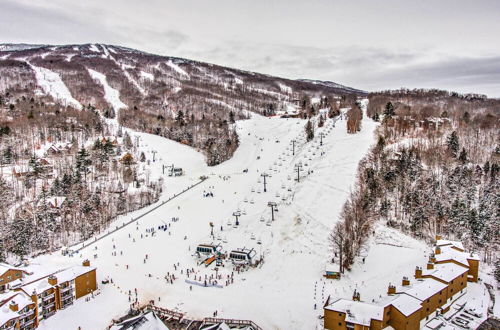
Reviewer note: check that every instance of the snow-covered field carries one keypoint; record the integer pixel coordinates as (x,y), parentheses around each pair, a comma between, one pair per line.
(284,291)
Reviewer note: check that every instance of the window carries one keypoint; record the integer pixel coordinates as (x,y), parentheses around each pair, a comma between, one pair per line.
(451,290)
(428,300)
(440,292)
(340,324)
(439,300)
(427,309)
(340,314)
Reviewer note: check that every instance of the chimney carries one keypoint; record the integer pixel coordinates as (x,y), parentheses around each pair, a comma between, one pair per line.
(432,257)
(438,237)
(418,272)
(430,265)
(405,281)
(13,306)
(391,290)
(86,263)
(52,280)
(437,250)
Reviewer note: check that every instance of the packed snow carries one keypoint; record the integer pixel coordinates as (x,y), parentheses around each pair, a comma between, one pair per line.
(177,68)
(111,95)
(147,75)
(94,48)
(51,83)
(287,291)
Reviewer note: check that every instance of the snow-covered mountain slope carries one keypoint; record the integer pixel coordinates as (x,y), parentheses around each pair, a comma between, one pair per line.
(169,80)
(331,84)
(295,246)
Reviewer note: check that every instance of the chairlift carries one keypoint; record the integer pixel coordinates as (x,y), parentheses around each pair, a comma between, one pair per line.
(251,201)
(252,237)
(261,218)
(268,223)
(245,200)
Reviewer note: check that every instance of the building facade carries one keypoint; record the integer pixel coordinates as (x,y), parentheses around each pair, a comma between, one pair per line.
(34,298)
(432,292)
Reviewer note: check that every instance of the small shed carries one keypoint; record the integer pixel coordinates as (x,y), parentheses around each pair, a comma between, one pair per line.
(331,272)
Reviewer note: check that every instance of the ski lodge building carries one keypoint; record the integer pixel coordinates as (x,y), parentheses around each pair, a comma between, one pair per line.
(33,298)
(432,292)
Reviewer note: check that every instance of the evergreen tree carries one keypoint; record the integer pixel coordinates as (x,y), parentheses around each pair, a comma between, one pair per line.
(34,165)
(463,156)
(453,144)
(82,161)
(309,131)
(389,110)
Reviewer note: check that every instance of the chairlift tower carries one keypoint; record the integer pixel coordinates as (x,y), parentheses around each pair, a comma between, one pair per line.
(264,175)
(272,205)
(237,214)
(298,167)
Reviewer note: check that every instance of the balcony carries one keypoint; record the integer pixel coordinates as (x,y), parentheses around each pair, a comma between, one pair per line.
(29,313)
(49,305)
(66,303)
(49,313)
(47,297)
(28,324)
(66,289)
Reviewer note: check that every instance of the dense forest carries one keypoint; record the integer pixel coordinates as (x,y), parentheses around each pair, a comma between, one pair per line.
(64,176)
(434,169)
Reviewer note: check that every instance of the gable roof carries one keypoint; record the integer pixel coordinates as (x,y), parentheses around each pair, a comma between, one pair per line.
(6,267)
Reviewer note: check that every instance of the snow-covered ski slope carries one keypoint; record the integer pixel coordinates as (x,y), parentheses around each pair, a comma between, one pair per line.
(282,293)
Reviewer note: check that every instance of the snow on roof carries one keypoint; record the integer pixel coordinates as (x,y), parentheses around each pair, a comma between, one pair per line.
(448,253)
(425,288)
(446,272)
(72,273)
(41,283)
(356,311)
(20,298)
(148,321)
(406,304)
(443,242)
(5,267)
(37,286)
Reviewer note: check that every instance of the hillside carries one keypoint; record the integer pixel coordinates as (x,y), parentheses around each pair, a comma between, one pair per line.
(187,101)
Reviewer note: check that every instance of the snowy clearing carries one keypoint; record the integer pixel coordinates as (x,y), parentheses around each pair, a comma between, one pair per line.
(177,68)
(52,84)
(294,246)
(111,95)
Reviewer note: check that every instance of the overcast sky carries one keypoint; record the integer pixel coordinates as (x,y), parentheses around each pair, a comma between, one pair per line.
(369,44)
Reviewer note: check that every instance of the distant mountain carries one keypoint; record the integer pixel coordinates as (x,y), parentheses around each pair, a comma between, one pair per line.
(331,84)
(162,95)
